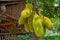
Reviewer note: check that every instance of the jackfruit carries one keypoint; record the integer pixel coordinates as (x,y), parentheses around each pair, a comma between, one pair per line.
(27,11)
(38,26)
(30,23)
(26,26)
(47,23)
(21,21)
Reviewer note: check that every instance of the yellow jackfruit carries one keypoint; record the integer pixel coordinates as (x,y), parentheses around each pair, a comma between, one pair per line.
(30,23)
(26,26)
(27,11)
(38,26)
(21,21)
(29,6)
(47,23)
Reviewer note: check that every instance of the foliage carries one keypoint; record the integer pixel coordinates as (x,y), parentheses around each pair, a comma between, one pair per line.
(48,37)
(46,7)
(51,37)
(24,36)
(56,22)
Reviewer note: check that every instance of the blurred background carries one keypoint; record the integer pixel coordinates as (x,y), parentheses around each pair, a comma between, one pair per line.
(49,8)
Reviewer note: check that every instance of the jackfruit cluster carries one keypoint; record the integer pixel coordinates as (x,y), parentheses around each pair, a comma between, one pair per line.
(33,22)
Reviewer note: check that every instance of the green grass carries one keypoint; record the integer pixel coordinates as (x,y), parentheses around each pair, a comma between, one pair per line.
(47,37)
(51,37)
